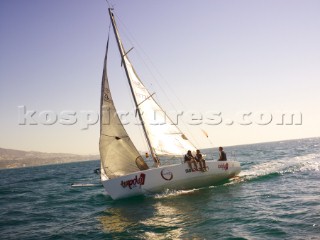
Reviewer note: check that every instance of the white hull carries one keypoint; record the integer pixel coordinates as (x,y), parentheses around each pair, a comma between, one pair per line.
(176,177)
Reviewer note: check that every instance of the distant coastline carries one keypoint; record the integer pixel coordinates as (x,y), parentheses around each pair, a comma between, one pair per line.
(10,158)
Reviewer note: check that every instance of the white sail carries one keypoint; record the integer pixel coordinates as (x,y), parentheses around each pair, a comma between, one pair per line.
(118,154)
(165,137)
(121,161)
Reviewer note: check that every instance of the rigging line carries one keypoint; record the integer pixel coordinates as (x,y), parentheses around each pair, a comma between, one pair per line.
(150,60)
(121,50)
(146,99)
(176,125)
(109,5)
(145,64)
(167,116)
(156,80)
(212,145)
(125,54)
(142,138)
(127,87)
(189,132)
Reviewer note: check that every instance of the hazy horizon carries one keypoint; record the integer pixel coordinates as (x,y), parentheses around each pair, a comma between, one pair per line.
(254,62)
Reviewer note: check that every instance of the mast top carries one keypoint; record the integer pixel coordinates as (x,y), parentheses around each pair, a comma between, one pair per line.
(123,54)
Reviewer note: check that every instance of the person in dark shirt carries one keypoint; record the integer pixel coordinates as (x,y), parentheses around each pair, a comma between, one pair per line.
(222,155)
(188,158)
(201,161)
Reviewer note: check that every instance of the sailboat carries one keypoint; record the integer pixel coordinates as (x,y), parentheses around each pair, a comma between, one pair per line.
(123,171)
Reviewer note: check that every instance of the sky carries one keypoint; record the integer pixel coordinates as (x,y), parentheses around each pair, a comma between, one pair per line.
(233,68)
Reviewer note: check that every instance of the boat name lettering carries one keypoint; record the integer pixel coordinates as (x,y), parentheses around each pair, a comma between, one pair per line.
(134,182)
(166,174)
(224,166)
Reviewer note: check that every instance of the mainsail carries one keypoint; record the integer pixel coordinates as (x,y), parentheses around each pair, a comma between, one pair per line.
(163,136)
(118,154)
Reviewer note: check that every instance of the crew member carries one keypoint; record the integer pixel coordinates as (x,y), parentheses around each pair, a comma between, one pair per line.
(222,155)
(190,159)
(201,161)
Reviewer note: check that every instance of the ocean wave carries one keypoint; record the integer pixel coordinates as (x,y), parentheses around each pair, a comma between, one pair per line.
(309,162)
(173,193)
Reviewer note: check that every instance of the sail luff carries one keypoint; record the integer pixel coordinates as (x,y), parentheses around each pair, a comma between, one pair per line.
(123,54)
(102,172)
(118,154)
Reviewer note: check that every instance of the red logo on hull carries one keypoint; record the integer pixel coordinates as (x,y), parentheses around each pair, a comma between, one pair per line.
(134,182)
(224,166)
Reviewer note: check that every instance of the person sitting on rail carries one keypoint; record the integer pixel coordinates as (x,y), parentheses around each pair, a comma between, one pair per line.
(222,155)
(190,159)
(201,161)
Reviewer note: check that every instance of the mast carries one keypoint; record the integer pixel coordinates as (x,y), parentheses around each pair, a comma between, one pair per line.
(123,54)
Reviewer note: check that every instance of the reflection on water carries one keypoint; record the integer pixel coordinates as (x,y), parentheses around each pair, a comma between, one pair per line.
(114,221)
(160,217)
(167,219)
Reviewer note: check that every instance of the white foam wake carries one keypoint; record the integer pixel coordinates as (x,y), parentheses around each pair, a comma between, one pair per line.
(309,162)
(174,193)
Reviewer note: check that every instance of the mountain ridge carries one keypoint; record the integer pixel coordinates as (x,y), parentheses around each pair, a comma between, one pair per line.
(11,158)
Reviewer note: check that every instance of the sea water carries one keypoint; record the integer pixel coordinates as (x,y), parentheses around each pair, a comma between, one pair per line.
(276,196)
